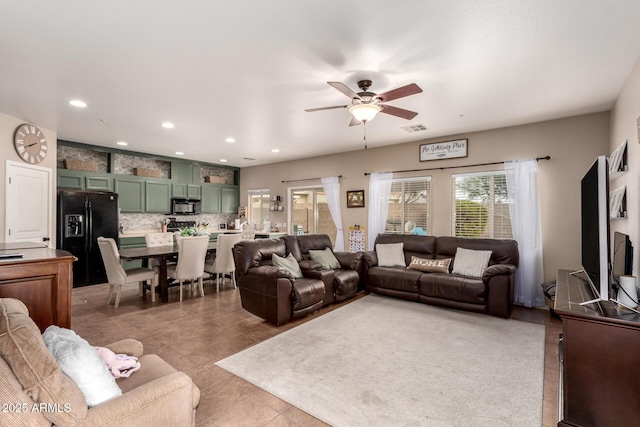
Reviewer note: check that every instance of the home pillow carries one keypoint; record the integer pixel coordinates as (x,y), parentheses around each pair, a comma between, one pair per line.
(390,254)
(430,265)
(470,262)
(22,348)
(81,362)
(289,263)
(326,258)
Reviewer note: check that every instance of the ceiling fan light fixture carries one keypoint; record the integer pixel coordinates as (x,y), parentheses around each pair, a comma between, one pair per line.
(364,112)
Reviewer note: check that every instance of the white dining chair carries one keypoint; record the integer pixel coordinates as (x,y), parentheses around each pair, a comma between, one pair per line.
(223,262)
(155,240)
(190,266)
(118,276)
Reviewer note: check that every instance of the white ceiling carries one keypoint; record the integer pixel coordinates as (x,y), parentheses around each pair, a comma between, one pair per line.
(248,69)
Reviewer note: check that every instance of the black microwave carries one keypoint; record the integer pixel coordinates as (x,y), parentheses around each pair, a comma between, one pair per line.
(185,206)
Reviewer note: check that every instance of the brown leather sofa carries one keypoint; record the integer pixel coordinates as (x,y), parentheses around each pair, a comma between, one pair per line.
(273,294)
(491,294)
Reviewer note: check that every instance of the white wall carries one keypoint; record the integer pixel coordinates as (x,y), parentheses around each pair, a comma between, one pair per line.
(624,125)
(8,126)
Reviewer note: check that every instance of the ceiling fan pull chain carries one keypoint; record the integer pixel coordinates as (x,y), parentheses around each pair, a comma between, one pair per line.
(364,125)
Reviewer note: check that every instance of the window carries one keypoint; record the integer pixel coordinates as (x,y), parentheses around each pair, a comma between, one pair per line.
(310,213)
(258,205)
(480,206)
(409,206)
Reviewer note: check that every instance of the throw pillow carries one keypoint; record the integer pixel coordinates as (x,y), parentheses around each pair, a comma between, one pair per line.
(289,263)
(82,363)
(326,258)
(430,265)
(390,255)
(470,262)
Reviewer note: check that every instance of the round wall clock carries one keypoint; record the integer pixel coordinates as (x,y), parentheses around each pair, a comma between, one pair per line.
(30,143)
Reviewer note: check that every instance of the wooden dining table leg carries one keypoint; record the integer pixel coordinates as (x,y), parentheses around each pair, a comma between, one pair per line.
(162,280)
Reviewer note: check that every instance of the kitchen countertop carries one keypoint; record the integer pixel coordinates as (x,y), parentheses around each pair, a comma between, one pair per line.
(141,233)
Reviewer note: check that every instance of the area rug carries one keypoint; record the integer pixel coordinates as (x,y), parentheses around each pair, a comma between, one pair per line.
(381,361)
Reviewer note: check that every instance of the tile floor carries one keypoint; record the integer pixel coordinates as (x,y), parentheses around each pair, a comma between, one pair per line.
(196,333)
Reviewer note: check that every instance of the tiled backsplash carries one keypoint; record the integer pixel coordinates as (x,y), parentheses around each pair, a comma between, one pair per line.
(137,221)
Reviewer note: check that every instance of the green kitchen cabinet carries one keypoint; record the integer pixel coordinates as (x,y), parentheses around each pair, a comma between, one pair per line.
(210,199)
(157,197)
(185,173)
(132,243)
(102,183)
(193,191)
(131,194)
(185,191)
(71,179)
(229,199)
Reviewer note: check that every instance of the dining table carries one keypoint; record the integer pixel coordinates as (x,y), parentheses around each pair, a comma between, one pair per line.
(162,254)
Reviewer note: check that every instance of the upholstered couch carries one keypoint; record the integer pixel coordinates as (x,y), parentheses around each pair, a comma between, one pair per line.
(35,392)
(492,293)
(275,294)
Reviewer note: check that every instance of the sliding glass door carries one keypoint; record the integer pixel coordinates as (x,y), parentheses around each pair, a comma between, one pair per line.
(310,212)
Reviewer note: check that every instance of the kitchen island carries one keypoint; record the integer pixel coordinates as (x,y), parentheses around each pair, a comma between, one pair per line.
(41,278)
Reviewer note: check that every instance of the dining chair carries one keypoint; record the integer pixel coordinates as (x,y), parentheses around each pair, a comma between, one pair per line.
(192,252)
(248,232)
(154,240)
(223,262)
(118,276)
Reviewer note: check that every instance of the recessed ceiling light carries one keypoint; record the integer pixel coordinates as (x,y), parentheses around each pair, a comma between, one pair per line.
(168,125)
(78,103)
(223,160)
(275,150)
(179,153)
(230,140)
(122,143)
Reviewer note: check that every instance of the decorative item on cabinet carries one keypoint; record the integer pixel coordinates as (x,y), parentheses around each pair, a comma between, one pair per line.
(276,204)
(215,179)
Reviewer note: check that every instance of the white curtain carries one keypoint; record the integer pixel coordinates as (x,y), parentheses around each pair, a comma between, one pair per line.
(331,187)
(522,188)
(379,188)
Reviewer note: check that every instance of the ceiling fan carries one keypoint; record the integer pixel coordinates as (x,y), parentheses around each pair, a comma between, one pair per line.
(366,105)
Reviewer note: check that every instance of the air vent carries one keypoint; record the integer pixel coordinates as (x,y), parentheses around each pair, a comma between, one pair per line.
(248,158)
(415,128)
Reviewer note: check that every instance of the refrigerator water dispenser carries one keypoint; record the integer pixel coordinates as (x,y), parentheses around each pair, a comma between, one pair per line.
(74,225)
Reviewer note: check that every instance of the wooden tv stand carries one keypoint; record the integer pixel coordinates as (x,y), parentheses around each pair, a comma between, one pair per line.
(599,356)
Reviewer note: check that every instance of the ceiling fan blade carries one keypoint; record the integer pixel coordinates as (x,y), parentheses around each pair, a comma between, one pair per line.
(401,92)
(354,121)
(400,112)
(344,89)
(310,110)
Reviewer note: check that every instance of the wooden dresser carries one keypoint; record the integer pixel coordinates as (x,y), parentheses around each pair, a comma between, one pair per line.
(600,358)
(42,279)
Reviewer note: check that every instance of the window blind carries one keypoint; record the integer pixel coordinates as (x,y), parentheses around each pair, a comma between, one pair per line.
(480,205)
(409,206)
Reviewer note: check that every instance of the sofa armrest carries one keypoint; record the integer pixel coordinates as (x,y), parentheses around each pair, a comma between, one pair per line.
(270,271)
(168,400)
(498,270)
(370,259)
(308,265)
(349,260)
(500,282)
(127,346)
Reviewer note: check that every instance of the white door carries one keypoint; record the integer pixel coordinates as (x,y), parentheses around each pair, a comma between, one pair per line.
(28,203)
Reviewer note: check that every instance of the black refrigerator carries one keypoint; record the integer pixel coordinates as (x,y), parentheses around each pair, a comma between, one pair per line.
(83,216)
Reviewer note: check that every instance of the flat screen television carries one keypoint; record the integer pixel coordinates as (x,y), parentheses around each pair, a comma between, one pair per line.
(595,229)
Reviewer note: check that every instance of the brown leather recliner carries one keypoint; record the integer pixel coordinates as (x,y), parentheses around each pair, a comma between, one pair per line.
(270,292)
(341,283)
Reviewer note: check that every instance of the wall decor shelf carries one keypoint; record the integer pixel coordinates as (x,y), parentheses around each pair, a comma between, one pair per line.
(276,204)
(618,203)
(618,161)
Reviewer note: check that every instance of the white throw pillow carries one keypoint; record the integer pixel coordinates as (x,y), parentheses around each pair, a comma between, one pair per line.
(470,262)
(81,362)
(390,255)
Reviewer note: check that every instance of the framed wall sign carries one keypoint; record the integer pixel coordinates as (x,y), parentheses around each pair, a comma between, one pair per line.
(355,199)
(443,150)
